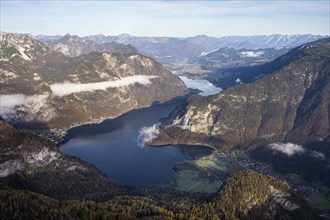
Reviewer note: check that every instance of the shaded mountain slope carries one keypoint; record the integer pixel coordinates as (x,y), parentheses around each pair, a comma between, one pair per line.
(293,98)
(30,162)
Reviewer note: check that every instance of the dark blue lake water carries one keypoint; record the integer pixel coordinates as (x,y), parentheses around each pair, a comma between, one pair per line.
(115,146)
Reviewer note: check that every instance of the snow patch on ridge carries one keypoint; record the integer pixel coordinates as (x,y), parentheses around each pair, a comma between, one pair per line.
(10,167)
(22,52)
(43,156)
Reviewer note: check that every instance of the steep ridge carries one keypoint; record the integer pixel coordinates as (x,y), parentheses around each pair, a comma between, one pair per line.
(291,104)
(30,162)
(74,46)
(46,88)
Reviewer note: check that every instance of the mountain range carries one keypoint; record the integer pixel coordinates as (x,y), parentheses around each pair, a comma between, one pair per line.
(185,48)
(278,113)
(285,111)
(252,42)
(74,46)
(228,57)
(281,106)
(44,88)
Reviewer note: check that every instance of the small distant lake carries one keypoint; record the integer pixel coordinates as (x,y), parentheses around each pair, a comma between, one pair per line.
(205,86)
(116,147)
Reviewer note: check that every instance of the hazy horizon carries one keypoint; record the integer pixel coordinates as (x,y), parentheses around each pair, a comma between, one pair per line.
(166,18)
(62,35)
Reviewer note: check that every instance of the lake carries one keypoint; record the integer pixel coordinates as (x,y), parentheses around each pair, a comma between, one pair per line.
(116,147)
(206,87)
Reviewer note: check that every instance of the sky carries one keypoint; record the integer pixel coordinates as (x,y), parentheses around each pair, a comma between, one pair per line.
(166,18)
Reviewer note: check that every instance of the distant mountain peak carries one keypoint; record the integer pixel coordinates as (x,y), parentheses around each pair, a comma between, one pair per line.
(124,35)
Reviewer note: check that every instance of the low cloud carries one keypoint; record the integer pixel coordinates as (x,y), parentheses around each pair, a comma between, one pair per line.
(8,103)
(64,89)
(147,134)
(289,149)
(205,86)
(238,80)
(317,155)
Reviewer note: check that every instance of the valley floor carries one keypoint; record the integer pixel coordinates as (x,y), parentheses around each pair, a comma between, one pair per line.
(208,174)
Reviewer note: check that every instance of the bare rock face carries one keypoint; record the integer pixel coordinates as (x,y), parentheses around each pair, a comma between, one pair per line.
(48,89)
(290,104)
(30,162)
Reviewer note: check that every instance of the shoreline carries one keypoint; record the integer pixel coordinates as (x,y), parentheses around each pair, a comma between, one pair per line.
(57,135)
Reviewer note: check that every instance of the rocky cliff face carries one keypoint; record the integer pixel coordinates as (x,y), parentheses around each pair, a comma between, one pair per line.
(291,104)
(30,162)
(74,46)
(46,88)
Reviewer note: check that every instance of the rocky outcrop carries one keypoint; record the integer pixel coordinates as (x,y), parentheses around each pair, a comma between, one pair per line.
(30,162)
(47,89)
(291,104)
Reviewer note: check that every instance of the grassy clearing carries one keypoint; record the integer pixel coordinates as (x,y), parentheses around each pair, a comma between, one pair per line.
(319,202)
(189,181)
(209,162)
(241,155)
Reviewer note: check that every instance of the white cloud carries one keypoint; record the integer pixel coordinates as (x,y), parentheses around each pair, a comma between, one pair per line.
(205,86)
(64,89)
(8,103)
(147,134)
(287,148)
